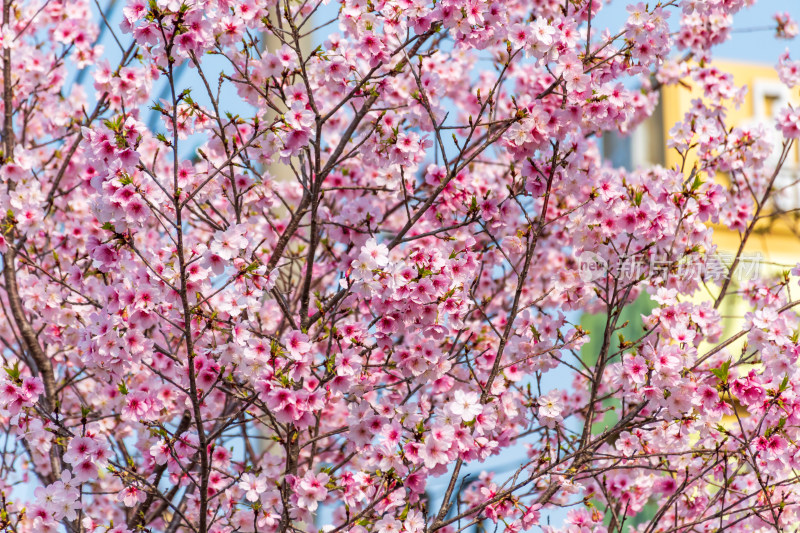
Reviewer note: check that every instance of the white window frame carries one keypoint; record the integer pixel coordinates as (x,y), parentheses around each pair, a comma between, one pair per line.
(787,178)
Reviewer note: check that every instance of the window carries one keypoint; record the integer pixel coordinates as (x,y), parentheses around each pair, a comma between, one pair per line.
(769,97)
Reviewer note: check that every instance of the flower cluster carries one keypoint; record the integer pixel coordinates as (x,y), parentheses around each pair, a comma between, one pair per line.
(263,271)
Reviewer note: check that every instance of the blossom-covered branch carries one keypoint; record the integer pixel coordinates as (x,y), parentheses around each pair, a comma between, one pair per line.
(295,265)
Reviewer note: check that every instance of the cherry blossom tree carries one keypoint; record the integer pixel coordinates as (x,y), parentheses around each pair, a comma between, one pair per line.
(344,262)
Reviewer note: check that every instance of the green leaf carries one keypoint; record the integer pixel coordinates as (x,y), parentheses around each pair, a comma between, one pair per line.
(13,372)
(722,372)
(784,383)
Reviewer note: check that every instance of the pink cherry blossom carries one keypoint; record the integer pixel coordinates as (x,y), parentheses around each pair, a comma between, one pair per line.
(311,490)
(268,263)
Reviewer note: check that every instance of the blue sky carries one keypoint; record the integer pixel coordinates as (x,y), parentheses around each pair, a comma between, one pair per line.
(752,41)
(753,37)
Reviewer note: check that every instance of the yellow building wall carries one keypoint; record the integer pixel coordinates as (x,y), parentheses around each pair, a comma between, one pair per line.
(777,241)
(780,244)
